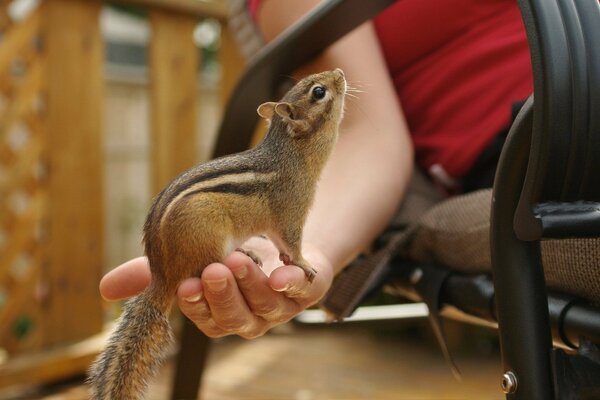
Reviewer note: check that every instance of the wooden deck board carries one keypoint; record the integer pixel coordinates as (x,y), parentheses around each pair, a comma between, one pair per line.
(381,361)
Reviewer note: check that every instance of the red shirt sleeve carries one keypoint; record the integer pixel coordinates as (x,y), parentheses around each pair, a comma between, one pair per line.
(253,7)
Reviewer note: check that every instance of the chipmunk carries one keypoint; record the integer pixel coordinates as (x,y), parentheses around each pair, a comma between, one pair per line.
(209,210)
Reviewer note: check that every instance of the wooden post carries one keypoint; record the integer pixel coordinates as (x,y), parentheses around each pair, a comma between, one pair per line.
(75,249)
(174,61)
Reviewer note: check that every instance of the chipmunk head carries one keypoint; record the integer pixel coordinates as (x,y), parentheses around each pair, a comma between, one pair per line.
(314,101)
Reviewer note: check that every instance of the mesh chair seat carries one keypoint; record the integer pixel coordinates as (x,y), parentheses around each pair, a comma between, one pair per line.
(456,234)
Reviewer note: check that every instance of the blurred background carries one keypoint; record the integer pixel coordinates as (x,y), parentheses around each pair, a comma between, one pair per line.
(101,104)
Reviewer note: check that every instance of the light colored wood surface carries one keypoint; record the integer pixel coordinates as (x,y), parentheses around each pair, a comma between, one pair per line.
(174,62)
(74,250)
(393,360)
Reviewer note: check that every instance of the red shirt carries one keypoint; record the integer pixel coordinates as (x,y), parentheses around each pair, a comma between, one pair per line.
(457,66)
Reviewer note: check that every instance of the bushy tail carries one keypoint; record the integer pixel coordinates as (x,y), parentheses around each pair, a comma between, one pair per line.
(135,350)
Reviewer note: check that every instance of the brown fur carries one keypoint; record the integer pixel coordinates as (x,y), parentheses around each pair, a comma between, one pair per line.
(211,209)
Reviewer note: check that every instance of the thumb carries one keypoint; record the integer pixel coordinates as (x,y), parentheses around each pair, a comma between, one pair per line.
(126,280)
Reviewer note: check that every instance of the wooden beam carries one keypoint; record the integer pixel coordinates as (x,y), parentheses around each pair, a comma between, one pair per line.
(75,248)
(174,60)
(197,8)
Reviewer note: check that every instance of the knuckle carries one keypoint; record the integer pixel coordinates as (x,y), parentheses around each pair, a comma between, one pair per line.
(277,312)
(199,313)
(276,317)
(222,301)
(210,329)
(297,291)
(214,333)
(254,332)
(266,311)
(232,322)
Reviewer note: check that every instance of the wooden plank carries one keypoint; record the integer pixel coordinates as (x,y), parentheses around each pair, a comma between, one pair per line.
(5,20)
(21,285)
(19,301)
(6,155)
(21,169)
(75,248)
(174,60)
(22,233)
(25,91)
(19,36)
(197,8)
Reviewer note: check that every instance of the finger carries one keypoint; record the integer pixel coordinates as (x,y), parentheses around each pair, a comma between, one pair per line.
(227,304)
(126,280)
(194,306)
(262,300)
(190,290)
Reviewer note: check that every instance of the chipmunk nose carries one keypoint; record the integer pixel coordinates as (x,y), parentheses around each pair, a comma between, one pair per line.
(340,79)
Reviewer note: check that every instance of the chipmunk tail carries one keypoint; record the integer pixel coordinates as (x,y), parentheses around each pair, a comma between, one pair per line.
(135,350)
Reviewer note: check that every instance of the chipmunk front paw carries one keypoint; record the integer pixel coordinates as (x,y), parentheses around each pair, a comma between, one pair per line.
(285,259)
(308,270)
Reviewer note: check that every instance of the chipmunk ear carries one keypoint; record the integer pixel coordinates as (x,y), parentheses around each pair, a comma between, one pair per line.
(266,110)
(285,111)
(295,120)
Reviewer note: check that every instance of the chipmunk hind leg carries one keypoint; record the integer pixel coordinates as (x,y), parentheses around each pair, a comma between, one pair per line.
(197,233)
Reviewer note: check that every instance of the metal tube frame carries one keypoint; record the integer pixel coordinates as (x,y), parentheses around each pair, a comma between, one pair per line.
(521,298)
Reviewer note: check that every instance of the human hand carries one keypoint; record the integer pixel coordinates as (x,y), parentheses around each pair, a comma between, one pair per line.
(235,296)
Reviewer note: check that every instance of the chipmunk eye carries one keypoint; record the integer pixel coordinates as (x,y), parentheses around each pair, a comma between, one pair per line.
(318,92)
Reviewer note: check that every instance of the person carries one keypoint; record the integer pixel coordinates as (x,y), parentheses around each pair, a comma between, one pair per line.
(438,81)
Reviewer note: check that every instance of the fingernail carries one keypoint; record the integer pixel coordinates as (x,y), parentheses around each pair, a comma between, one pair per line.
(240,272)
(216,285)
(283,289)
(194,299)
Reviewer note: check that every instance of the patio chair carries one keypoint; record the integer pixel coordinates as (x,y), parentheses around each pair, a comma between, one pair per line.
(537,232)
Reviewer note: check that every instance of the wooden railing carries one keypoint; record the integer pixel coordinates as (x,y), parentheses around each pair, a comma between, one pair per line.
(51,169)
(23,189)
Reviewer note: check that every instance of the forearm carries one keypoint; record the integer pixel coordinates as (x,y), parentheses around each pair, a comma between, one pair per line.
(358,194)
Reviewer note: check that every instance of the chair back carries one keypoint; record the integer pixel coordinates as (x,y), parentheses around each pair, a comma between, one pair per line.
(561,192)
